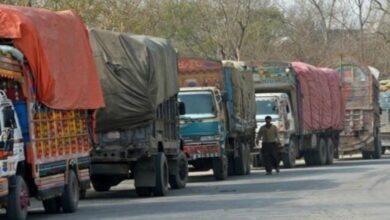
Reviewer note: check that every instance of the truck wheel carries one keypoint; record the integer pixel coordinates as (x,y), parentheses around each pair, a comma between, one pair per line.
(18,198)
(220,168)
(366,155)
(256,160)
(308,157)
(70,197)
(179,179)
(52,205)
(162,175)
(320,154)
(240,162)
(248,159)
(383,150)
(330,151)
(289,157)
(377,148)
(99,185)
(144,191)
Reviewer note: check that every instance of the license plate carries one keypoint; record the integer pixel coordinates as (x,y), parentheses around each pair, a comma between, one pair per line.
(114,135)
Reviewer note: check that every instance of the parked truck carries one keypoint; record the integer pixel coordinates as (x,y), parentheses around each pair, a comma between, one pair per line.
(219,125)
(307,107)
(384,100)
(48,93)
(138,130)
(361,132)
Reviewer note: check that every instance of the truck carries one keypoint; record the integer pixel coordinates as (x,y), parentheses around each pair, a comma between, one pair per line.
(47,104)
(219,124)
(307,106)
(384,101)
(360,89)
(138,130)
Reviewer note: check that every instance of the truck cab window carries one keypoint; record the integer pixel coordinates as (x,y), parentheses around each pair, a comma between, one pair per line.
(9,117)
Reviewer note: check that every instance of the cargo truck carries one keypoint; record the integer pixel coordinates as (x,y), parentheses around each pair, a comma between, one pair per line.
(306,105)
(138,130)
(361,132)
(218,128)
(46,110)
(384,100)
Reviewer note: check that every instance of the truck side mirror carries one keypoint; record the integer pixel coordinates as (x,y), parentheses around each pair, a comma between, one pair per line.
(9,117)
(182,108)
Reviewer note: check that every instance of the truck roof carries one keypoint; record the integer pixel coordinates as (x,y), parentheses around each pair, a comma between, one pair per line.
(64,72)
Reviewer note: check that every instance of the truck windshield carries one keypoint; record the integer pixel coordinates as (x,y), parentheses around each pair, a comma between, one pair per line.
(198,104)
(266,107)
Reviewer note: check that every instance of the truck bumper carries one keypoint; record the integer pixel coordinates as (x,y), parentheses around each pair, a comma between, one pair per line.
(196,151)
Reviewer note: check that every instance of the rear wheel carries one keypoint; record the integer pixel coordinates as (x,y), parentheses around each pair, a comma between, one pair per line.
(162,175)
(257,160)
(52,205)
(70,197)
(330,151)
(248,160)
(320,154)
(179,179)
(366,155)
(220,168)
(18,198)
(289,157)
(377,147)
(240,163)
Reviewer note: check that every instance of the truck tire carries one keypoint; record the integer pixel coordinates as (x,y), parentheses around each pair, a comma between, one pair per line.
(377,148)
(144,191)
(180,178)
(366,154)
(220,168)
(330,151)
(52,205)
(240,162)
(320,154)
(99,185)
(18,198)
(248,160)
(162,175)
(70,197)
(257,160)
(308,157)
(289,157)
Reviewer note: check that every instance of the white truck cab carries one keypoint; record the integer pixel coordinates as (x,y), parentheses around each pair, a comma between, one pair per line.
(11,140)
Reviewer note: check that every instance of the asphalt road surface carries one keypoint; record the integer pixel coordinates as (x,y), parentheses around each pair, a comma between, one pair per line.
(349,189)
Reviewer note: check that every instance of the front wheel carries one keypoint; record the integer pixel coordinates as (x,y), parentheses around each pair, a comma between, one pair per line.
(18,198)
(179,179)
(162,175)
(330,151)
(220,168)
(289,157)
(70,197)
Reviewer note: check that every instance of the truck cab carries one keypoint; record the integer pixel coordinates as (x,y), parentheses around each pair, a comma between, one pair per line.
(384,100)
(278,106)
(202,125)
(11,143)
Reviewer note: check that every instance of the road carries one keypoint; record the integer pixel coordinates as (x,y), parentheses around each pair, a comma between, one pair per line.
(349,189)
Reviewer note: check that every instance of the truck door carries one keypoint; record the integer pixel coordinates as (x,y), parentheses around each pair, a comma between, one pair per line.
(290,117)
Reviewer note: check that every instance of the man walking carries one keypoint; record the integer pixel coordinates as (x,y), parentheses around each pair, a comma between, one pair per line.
(268,133)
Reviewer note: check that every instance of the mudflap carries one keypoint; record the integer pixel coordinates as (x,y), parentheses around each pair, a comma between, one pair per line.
(145,172)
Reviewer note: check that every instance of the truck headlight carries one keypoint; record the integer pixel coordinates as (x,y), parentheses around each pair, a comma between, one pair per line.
(209,138)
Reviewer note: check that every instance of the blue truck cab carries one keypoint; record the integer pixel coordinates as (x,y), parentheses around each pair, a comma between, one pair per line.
(218,128)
